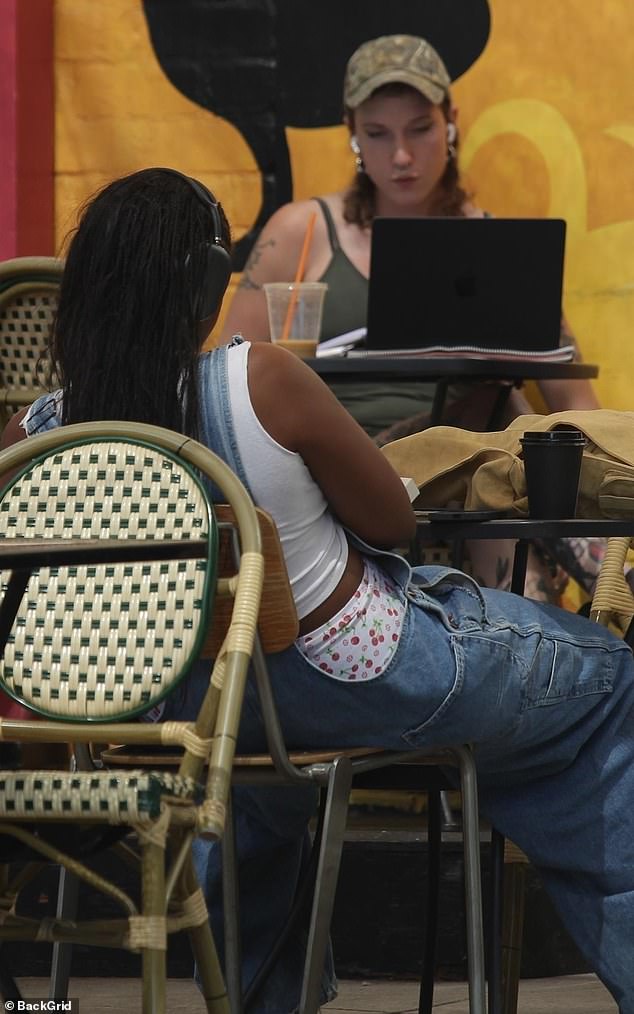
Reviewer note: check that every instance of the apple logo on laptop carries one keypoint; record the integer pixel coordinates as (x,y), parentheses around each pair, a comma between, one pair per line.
(465,285)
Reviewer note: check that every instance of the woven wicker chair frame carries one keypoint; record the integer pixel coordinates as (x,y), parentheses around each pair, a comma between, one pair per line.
(29,289)
(93,647)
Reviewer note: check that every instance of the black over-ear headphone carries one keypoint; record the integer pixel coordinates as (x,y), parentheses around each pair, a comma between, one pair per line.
(218,270)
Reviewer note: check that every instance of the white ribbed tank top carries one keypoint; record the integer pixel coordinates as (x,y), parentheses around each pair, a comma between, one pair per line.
(314,543)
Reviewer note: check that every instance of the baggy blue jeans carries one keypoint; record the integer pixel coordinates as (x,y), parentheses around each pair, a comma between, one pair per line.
(547,699)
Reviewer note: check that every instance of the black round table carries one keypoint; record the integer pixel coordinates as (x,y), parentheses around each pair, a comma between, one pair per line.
(509,373)
(520,529)
(451,367)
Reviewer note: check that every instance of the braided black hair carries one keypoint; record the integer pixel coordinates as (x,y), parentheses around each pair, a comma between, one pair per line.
(127,334)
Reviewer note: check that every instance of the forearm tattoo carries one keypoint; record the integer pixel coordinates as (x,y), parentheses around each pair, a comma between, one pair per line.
(500,577)
(247,281)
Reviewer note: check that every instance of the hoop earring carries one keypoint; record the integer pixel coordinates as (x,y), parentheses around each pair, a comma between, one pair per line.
(358,160)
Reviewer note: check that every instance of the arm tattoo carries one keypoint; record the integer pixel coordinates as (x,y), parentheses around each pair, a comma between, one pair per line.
(247,282)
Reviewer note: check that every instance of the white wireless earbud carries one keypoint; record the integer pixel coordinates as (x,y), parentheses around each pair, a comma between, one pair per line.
(451,133)
(358,158)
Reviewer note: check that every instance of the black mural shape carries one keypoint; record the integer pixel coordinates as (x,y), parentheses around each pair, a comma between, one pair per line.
(264,65)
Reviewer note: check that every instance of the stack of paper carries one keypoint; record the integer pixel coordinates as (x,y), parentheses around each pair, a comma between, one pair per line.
(563,354)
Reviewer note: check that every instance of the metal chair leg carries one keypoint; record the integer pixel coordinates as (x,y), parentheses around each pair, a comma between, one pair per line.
(67,903)
(203,945)
(336,809)
(495,923)
(450,821)
(434,843)
(512,932)
(68,894)
(473,887)
(304,896)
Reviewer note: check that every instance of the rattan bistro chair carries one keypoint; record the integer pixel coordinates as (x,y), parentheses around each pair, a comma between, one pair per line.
(612,606)
(92,648)
(613,601)
(29,288)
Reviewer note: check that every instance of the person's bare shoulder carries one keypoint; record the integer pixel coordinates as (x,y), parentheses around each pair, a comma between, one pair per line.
(274,258)
(269,364)
(277,248)
(276,252)
(290,220)
(278,383)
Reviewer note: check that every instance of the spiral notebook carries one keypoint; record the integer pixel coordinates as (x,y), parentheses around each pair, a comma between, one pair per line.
(466,286)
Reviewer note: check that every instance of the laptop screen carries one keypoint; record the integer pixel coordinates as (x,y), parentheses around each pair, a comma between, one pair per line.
(491,283)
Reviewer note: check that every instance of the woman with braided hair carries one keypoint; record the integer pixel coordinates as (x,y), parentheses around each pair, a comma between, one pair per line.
(387,655)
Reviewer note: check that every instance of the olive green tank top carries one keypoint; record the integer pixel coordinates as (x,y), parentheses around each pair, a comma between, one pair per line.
(346,302)
(374,405)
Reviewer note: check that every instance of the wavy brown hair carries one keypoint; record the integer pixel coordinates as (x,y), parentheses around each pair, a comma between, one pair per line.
(359,202)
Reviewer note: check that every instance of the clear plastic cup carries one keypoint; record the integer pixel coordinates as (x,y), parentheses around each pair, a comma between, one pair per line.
(306,303)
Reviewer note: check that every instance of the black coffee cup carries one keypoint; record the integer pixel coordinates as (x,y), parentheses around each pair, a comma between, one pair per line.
(552,466)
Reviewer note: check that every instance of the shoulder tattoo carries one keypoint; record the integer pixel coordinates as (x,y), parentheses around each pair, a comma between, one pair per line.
(247,281)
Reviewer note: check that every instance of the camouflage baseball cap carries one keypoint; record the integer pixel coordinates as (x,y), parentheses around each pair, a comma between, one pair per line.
(405,59)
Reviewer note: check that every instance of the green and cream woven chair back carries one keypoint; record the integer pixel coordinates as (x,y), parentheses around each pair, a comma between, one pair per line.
(92,648)
(29,290)
(107,642)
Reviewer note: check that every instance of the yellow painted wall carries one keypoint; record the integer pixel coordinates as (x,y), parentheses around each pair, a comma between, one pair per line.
(547,120)
(116,112)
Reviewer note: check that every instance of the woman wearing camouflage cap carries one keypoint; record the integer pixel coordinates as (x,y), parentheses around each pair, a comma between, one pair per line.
(404,136)
(405,139)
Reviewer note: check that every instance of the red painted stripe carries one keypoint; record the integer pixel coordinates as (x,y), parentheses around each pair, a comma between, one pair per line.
(26,128)
(8,139)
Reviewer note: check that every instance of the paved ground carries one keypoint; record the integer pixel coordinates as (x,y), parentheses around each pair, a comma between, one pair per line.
(573,994)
